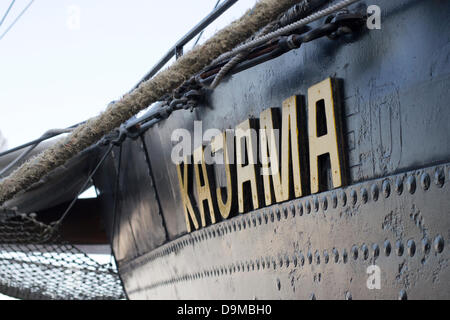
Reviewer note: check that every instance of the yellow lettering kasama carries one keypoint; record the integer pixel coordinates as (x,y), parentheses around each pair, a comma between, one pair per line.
(203,190)
(220,142)
(290,151)
(245,144)
(269,158)
(283,172)
(184,182)
(327,143)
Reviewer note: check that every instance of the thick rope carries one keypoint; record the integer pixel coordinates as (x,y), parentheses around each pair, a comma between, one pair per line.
(147,93)
(226,68)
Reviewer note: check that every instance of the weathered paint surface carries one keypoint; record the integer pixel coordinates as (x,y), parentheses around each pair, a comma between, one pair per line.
(394,84)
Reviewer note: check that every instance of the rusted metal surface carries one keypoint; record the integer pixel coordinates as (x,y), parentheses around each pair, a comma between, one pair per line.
(318,245)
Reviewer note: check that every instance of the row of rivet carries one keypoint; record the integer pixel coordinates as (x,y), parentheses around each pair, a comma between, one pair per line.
(271,215)
(299,260)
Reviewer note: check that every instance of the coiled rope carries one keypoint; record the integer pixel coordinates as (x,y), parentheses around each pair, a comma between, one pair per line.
(153,89)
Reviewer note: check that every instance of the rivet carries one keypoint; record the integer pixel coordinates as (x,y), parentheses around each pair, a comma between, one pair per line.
(426,245)
(302,259)
(439,177)
(399,185)
(402,295)
(344,256)
(309,256)
(286,261)
(387,248)
(326,257)
(425,181)
(364,195)
(336,255)
(317,254)
(376,250)
(316,204)
(353,196)
(365,251)
(355,252)
(308,207)
(293,210)
(343,198)
(439,243)
(399,248)
(386,188)
(348,296)
(334,200)
(324,203)
(277,211)
(374,191)
(411,184)
(300,209)
(411,247)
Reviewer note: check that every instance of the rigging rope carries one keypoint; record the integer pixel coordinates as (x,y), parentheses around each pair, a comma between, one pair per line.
(153,89)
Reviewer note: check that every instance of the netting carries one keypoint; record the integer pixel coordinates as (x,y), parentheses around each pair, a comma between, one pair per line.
(35,263)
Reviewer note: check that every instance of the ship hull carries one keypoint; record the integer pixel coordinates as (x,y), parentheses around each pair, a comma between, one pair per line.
(383,234)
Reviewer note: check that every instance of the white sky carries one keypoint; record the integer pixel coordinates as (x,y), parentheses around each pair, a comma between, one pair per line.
(53,75)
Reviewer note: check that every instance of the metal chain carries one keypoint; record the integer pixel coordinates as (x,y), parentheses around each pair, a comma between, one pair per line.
(289,28)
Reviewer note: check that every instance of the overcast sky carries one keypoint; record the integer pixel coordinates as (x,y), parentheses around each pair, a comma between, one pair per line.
(55,72)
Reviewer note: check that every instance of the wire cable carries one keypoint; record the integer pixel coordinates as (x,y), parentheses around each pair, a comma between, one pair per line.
(7,11)
(288,29)
(17,19)
(46,135)
(88,180)
(201,33)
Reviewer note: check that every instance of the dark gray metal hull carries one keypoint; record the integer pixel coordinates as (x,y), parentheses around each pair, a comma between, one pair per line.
(396,120)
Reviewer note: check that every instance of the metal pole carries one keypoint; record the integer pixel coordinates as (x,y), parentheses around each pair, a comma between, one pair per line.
(217,12)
